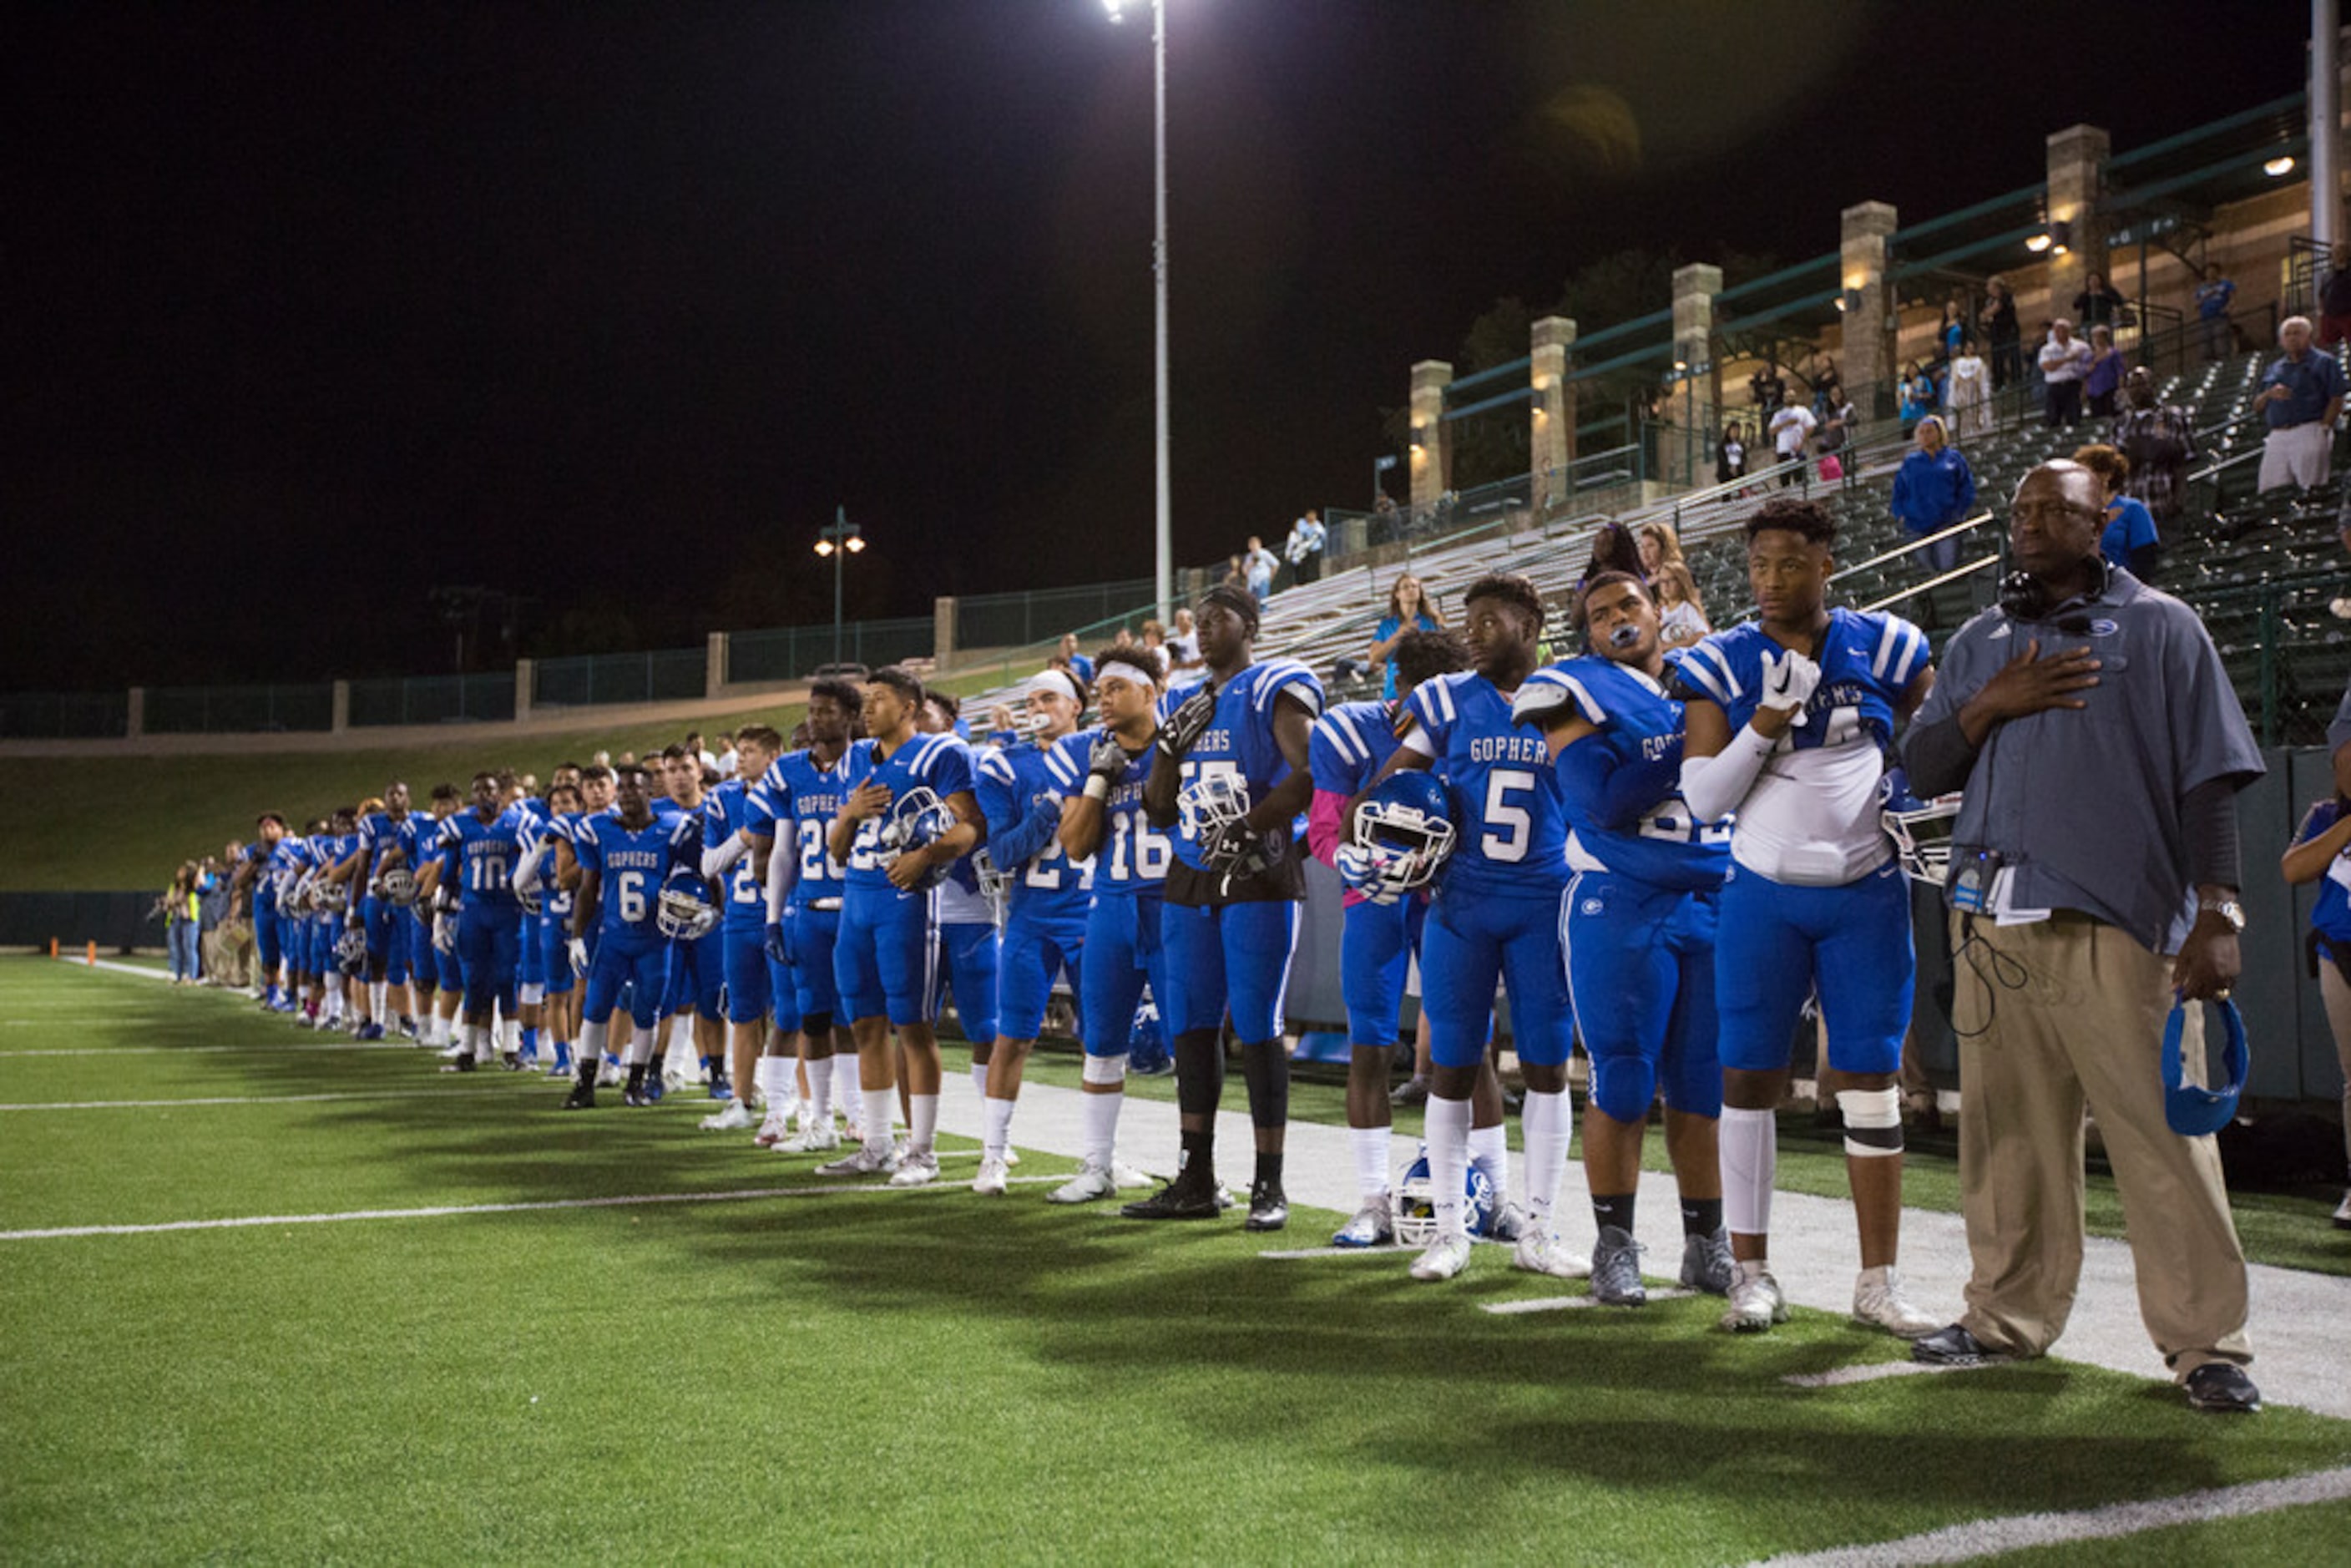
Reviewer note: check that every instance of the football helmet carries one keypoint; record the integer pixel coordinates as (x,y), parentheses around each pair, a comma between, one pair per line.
(294,898)
(1921,830)
(1214,808)
(330,897)
(400,886)
(351,950)
(683,911)
(1415,1203)
(1403,833)
(529,898)
(995,884)
(2191,1109)
(915,821)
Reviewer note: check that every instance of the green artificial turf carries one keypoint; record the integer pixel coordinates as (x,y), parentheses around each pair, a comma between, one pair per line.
(868,1375)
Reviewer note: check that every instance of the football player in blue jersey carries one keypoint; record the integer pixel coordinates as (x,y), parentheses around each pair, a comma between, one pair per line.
(624,858)
(696,1020)
(477,852)
(380,834)
(1046,896)
(763,1009)
(1099,774)
(435,938)
(797,800)
(1789,719)
(1379,936)
(536,878)
(332,853)
(969,947)
(1231,776)
(909,816)
(1639,924)
(256,875)
(1496,917)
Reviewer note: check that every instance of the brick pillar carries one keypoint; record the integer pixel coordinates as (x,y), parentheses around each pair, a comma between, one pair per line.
(524,673)
(1868,365)
(1693,402)
(1432,460)
(2077,178)
(135,723)
(713,666)
(340,708)
(1552,434)
(943,631)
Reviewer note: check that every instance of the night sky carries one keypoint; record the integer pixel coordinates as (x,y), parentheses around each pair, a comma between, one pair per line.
(314,308)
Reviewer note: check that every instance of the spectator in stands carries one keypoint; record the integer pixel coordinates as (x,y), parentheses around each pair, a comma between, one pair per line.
(1792,431)
(1825,388)
(2099,306)
(181,911)
(1917,396)
(1839,424)
(1681,615)
(2301,397)
(1766,386)
(1953,336)
(1409,610)
(2158,442)
(1658,543)
(1387,523)
(1077,663)
(1731,458)
(1154,646)
(2213,298)
(1259,564)
(2334,298)
(1966,395)
(2321,853)
(1999,319)
(2129,539)
(2104,379)
(2064,359)
(1304,546)
(1933,489)
(1182,645)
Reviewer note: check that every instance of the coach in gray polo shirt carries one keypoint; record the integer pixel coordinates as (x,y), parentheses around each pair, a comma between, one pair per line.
(2093,871)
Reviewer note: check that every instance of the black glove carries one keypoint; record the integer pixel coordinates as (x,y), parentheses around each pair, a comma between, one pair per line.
(1234,848)
(1107,761)
(1188,723)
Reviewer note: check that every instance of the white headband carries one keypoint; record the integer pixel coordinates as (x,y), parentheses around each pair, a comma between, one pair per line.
(1066,682)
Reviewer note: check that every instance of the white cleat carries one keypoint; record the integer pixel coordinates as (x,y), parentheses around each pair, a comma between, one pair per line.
(1374,1225)
(817,1138)
(916,1168)
(1091,1183)
(609,1074)
(1539,1252)
(1011,1156)
(993,1181)
(1129,1178)
(1755,1305)
(859,1161)
(1880,1303)
(776,1129)
(1445,1257)
(733,1119)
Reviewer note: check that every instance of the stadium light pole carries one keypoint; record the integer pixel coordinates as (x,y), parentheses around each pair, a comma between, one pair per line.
(839,539)
(1163,551)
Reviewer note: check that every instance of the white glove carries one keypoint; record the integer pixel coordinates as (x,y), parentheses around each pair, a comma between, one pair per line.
(1357,871)
(578,948)
(445,934)
(1789,682)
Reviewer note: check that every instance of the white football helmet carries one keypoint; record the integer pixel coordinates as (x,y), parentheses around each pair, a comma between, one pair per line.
(330,897)
(350,949)
(995,884)
(1922,837)
(1403,833)
(915,821)
(1415,1203)
(529,898)
(400,886)
(683,911)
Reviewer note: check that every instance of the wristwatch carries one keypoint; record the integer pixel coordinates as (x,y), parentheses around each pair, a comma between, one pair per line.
(2228,909)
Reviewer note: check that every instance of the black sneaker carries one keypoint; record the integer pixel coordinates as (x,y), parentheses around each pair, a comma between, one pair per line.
(512,1060)
(581,1098)
(1269,1208)
(635,1097)
(1955,1346)
(2222,1388)
(459,1064)
(1186,1198)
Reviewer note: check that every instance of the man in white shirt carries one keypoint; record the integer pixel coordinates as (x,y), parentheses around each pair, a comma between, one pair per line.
(2065,360)
(1791,428)
(1307,536)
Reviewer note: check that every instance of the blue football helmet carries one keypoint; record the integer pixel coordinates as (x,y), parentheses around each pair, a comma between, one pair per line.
(1403,833)
(2191,1109)
(1415,1203)
(916,820)
(683,911)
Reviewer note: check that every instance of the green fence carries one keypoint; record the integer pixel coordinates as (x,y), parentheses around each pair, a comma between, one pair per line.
(65,716)
(1038,615)
(432,699)
(202,710)
(795,652)
(669,674)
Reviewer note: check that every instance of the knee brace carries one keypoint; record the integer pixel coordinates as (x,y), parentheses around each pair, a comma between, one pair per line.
(1872,1122)
(1199,1071)
(1104,1071)
(1265,1068)
(1623,1086)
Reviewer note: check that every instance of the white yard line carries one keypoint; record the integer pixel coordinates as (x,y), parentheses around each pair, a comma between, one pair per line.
(1571,1303)
(632,1200)
(2017,1533)
(1838,1377)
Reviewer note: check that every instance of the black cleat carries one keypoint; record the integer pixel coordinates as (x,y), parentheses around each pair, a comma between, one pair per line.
(635,1097)
(460,1064)
(581,1098)
(512,1060)
(1955,1346)
(2221,1388)
(1269,1208)
(1186,1198)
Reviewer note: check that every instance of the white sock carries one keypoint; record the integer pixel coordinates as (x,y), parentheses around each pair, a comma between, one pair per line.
(845,1085)
(1544,1124)
(1490,1152)
(1750,1161)
(1371,1146)
(510,1036)
(477,1041)
(771,1076)
(819,1098)
(639,1052)
(378,997)
(979,1078)
(592,1041)
(922,1121)
(681,1036)
(1099,1114)
(1446,1126)
(999,1127)
(877,1103)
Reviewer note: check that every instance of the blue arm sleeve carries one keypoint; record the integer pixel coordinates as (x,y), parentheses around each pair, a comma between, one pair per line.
(1015,842)
(1600,790)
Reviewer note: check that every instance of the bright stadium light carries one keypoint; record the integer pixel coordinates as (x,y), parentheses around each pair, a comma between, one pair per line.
(2279,167)
(837,539)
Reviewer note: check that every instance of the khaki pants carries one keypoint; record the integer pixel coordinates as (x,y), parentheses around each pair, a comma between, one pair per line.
(233,944)
(2049,1016)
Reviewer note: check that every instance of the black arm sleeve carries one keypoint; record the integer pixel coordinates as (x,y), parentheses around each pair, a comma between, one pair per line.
(1939,757)
(2208,820)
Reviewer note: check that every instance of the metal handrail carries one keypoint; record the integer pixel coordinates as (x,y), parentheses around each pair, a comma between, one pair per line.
(1969,569)
(1896,553)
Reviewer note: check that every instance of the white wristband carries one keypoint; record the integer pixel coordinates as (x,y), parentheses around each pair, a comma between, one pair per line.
(1097,787)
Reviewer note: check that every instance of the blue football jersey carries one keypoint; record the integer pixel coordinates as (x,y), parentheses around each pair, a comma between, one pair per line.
(633,862)
(1133,859)
(479,858)
(379,832)
(564,827)
(1047,885)
(1640,726)
(939,763)
(1510,833)
(726,811)
(1351,744)
(796,800)
(1867,661)
(1240,739)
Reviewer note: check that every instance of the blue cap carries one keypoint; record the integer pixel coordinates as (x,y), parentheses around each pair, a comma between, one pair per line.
(2191,1109)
